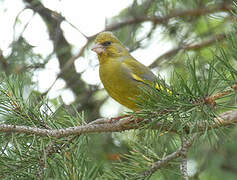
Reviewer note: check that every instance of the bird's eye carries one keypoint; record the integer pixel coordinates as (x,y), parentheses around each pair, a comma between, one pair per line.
(106,43)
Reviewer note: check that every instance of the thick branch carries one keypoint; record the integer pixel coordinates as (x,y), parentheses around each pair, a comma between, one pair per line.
(225,119)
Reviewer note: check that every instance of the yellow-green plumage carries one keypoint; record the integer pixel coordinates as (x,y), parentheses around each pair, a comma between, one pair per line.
(120,73)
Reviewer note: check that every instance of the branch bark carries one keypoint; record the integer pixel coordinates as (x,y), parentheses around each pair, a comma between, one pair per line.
(127,123)
(183,153)
(157,165)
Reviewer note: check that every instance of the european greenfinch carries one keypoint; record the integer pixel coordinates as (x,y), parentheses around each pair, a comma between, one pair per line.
(121,74)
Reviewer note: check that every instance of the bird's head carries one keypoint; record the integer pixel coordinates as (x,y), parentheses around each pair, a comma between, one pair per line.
(106,45)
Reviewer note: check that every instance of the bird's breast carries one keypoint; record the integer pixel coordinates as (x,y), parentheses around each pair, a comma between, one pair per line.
(119,84)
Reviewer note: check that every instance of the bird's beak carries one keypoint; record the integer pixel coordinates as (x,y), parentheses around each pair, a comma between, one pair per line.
(98,48)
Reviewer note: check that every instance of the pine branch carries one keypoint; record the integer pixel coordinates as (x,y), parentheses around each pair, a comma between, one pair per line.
(225,119)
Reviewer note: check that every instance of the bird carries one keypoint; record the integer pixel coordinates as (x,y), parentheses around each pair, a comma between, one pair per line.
(121,74)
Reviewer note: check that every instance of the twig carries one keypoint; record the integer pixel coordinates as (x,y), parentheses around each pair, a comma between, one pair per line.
(100,121)
(157,165)
(184,151)
(225,119)
(211,100)
(85,36)
(42,162)
(49,151)
(15,22)
(67,66)
(188,47)
(71,61)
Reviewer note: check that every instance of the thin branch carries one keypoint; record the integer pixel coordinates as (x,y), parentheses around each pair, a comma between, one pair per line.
(127,123)
(157,165)
(188,47)
(211,100)
(100,121)
(68,65)
(51,149)
(71,61)
(43,158)
(85,36)
(59,18)
(184,151)
(175,14)
(15,22)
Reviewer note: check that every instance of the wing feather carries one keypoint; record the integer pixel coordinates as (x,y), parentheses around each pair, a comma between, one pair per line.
(143,74)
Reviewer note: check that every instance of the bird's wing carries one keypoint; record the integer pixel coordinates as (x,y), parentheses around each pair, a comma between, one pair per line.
(143,74)
(139,72)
